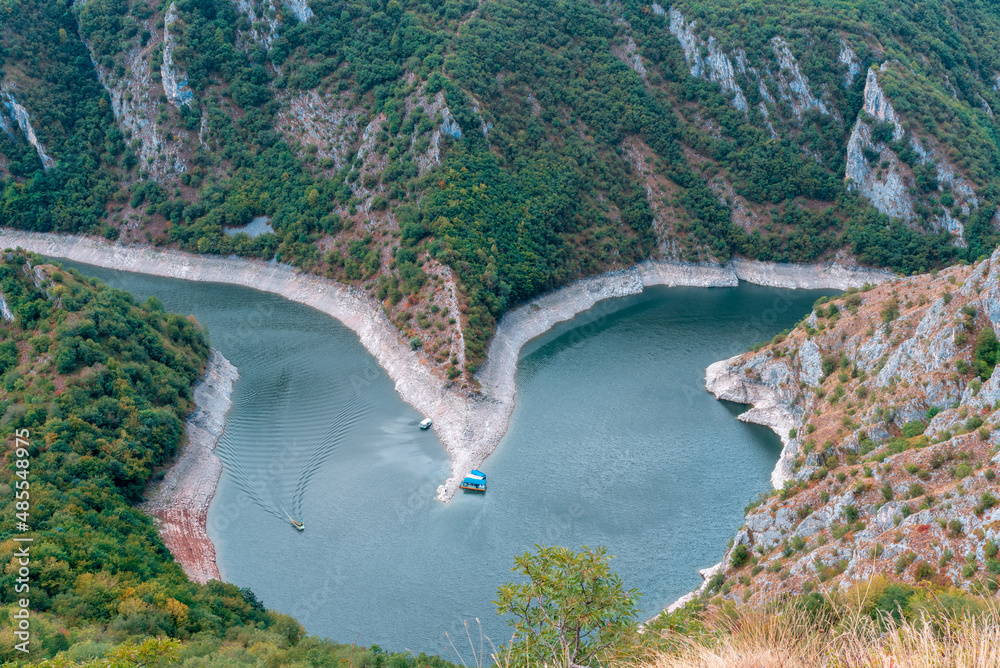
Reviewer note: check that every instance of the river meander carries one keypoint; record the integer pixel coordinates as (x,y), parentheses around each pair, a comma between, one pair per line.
(614,441)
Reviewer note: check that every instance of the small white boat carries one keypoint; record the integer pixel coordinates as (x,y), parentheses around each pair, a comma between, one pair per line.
(426,423)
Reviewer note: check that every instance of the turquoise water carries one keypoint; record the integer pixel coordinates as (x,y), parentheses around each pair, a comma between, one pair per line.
(613,442)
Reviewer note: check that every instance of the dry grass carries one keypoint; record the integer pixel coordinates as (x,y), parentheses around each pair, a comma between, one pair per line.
(760,639)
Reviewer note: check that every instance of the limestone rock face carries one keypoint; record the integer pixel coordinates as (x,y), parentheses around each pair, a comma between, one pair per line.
(876,171)
(450,126)
(878,106)
(175,84)
(371,162)
(887,189)
(849,58)
(715,67)
(133,101)
(21,116)
(263,16)
(793,85)
(708,60)
(5,311)
(300,8)
(326,121)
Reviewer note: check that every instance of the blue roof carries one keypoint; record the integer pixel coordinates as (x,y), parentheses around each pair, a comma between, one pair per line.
(477,472)
(474,481)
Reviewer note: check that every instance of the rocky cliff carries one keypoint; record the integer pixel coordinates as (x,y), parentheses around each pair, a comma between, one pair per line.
(22,118)
(887,404)
(134,94)
(875,169)
(175,84)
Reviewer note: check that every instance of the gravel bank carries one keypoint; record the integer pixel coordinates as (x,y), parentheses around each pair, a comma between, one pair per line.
(180,502)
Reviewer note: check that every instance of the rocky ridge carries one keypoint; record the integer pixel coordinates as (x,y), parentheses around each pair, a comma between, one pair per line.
(21,116)
(133,102)
(887,405)
(175,84)
(876,171)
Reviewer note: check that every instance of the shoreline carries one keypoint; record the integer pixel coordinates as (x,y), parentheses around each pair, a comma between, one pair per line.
(179,503)
(767,409)
(469,427)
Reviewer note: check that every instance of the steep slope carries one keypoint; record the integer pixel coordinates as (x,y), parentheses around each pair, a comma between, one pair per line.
(887,404)
(461,158)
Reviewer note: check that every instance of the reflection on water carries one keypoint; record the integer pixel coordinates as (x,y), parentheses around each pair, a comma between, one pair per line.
(614,442)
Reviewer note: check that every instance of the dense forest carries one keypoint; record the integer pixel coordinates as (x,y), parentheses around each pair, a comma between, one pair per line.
(519,145)
(101,384)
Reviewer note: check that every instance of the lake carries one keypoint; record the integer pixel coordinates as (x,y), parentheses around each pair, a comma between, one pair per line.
(614,441)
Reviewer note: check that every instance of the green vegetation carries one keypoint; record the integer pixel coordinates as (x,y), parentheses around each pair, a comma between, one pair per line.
(546,179)
(573,610)
(987,353)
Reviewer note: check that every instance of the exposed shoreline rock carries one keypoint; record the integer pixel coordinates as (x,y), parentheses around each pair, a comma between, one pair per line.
(469,427)
(768,409)
(180,502)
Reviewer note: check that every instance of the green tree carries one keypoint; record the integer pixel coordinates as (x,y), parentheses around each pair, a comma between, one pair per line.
(572,611)
(987,353)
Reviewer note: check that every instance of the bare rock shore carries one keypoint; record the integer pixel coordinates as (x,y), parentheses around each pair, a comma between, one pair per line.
(470,427)
(180,502)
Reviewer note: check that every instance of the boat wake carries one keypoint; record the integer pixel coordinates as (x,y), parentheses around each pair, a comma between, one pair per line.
(306,431)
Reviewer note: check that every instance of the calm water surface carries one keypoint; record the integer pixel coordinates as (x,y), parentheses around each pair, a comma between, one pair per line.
(614,442)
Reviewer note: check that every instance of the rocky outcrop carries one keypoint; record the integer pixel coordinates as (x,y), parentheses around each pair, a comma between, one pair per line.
(730,383)
(878,106)
(792,84)
(5,311)
(175,84)
(7,126)
(450,126)
(986,108)
(628,53)
(850,60)
(887,182)
(133,102)
(263,17)
(327,121)
(891,439)
(715,67)
(179,503)
(300,9)
(628,50)
(21,116)
(887,188)
(432,156)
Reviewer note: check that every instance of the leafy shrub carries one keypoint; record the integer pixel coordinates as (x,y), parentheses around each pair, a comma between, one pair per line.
(986,353)
(740,556)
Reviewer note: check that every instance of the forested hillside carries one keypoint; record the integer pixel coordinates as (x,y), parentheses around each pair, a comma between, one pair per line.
(454,158)
(101,385)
